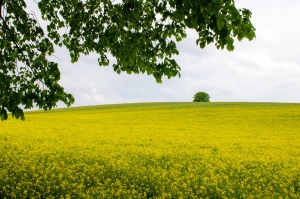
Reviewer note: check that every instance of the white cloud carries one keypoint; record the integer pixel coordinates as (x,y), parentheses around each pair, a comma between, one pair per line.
(266,69)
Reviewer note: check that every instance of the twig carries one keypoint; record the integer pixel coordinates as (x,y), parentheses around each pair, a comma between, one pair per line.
(57,57)
(1,7)
(18,48)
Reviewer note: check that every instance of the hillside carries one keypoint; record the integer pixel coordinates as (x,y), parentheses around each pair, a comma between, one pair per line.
(153,150)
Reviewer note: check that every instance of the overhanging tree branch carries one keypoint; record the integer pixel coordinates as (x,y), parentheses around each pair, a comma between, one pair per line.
(104,26)
(12,36)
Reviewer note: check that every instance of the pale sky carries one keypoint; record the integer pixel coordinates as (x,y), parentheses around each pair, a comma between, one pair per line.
(266,69)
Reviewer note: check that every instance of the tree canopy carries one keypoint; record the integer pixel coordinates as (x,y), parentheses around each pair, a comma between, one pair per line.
(140,34)
(201,97)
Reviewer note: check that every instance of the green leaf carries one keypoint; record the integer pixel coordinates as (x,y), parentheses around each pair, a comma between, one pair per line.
(202,44)
(220,22)
(230,47)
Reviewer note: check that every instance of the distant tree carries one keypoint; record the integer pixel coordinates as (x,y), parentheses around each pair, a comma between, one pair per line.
(140,35)
(201,97)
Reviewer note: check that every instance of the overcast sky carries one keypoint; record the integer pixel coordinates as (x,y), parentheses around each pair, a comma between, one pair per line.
(266,69)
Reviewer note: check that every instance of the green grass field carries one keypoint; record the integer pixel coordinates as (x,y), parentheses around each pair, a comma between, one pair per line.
(153,150)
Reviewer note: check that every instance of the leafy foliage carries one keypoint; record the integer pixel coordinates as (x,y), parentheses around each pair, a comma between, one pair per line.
(141,35)
(201,97)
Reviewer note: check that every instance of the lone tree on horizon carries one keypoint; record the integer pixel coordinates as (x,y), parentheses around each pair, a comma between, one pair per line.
(201,97)
(140,34)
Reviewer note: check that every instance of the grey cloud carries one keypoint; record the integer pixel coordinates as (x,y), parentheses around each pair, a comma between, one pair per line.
(266,69)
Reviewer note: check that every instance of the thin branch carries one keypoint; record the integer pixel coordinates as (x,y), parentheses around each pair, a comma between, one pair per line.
(1,1)
(57,57)
(2,41)
(18,48)
(18,18)
(33,15)
(146,30)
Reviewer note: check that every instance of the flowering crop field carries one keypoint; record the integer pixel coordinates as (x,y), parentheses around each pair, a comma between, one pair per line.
(153,150)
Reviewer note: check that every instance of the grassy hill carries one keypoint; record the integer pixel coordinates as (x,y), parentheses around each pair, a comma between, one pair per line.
(153,150)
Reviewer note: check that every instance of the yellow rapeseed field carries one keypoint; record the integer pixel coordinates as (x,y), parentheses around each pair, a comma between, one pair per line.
(153,150)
